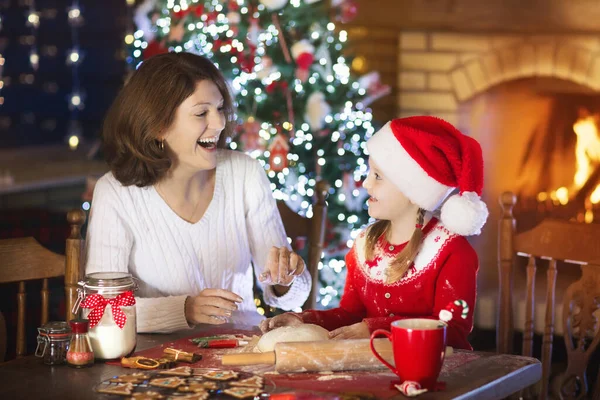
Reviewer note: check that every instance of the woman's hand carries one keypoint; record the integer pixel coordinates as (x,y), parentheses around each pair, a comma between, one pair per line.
(211,306)
(356,331)
(286,319)
(283,266)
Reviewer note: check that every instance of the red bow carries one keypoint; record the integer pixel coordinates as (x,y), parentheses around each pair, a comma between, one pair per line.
(98,303)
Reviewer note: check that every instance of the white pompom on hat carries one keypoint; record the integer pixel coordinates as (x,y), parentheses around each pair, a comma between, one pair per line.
(427,158)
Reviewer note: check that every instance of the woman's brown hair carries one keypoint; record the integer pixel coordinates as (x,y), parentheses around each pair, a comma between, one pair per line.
(146,106)
(407,255)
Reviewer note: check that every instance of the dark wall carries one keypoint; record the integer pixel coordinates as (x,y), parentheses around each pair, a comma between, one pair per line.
(38,113)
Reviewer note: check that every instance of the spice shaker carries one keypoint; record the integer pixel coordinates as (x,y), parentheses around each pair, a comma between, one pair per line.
(80,352)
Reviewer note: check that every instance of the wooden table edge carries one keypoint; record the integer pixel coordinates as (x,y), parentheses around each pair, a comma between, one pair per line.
(531,373)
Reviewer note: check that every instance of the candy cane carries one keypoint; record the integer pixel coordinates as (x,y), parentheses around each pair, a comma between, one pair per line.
(448,312)
(465,306)
(410,388)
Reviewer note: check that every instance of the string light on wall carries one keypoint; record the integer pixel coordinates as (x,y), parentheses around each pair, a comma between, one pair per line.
(2,61)
(74,59)
(130,28)
(33,21)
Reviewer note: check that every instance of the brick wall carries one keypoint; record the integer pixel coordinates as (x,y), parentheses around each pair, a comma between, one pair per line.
(437,71)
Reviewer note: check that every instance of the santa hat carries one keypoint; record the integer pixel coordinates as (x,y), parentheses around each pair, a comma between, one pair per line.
(427,158)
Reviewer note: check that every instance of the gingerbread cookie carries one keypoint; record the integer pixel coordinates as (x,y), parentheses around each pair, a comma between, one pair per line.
(221,375)
(207,385)
(147,396)
(194,396)
(242,392)
(138,377)
(201,371)
(253,382)
(122,389)
(171,383)
(194,387)
(179,371)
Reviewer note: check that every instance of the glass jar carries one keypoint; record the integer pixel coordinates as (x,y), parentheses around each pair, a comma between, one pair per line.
(107,301)
(80,352)
(53,342)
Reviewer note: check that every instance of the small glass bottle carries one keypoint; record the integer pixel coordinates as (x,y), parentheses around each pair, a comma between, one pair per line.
(53,342)
(80,352)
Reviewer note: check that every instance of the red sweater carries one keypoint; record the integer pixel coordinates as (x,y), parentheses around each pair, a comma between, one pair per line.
(444,270)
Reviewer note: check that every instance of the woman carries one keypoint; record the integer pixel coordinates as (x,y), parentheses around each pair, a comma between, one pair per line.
(181,214)
(409,264)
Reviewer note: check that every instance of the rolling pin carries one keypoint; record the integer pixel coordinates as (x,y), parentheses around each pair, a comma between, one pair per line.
(328,355)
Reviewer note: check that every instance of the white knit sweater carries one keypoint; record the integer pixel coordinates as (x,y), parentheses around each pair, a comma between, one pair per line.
(133,230)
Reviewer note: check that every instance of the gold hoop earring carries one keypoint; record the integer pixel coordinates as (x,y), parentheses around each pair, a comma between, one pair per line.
(161,145)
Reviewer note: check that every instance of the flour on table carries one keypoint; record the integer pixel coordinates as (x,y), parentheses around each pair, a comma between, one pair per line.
(332,377)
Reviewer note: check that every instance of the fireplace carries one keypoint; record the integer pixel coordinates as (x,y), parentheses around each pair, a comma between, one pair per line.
(532,102)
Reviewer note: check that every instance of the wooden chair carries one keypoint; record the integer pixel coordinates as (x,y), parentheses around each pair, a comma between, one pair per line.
(557,241)
(24,259)
(310,229)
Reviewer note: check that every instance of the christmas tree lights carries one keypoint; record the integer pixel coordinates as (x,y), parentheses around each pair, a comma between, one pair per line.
(300,110)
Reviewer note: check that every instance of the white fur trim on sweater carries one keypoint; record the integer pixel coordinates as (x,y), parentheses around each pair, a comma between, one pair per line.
(398,166)
(432,245)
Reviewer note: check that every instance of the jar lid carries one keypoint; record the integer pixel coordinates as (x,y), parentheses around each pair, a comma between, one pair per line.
(108,281)
(55,330)
(79,325)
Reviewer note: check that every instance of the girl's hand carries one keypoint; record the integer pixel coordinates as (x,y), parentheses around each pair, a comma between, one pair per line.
(287,319)
(356,331)
(211,306)
(283,266)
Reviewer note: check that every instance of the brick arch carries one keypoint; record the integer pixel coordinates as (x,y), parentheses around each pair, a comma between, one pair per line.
(437,71)
(548,59)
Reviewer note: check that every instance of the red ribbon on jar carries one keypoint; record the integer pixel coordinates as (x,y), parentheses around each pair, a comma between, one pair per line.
(98,303)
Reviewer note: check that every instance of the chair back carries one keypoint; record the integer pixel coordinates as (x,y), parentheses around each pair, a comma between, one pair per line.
(24,259)
(310,231)
(573,244)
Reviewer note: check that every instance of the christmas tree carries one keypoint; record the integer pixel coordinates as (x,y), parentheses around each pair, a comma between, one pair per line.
(300,111)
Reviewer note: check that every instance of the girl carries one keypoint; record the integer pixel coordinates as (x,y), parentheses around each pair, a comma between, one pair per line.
(184,216)
(410,264)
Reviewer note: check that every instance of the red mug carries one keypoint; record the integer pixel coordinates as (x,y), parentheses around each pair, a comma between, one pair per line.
(419,346)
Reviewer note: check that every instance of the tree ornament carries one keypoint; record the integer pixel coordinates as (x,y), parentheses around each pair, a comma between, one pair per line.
(176,32)
(265,68)
(373,87)
(322,53)
(273,5)
(233,17)
(143,21)
(346,10)
(253,32)
(250,137)
(278,150)
(303,53)
(316,111)
(349,11)
(355,193)
(154,48)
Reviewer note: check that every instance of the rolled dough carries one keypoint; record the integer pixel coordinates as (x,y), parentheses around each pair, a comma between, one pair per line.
(298,333)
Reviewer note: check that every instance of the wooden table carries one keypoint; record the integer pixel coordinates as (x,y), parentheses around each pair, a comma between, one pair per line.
(483,376)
